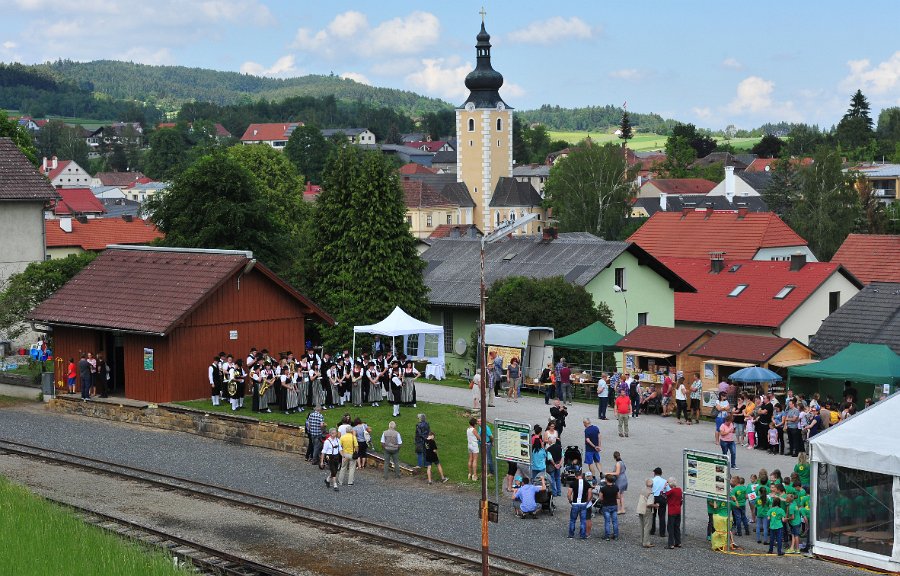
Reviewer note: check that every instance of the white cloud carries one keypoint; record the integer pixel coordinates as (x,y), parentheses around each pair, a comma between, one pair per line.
(631,74)
(356,77)
(512,90)
(881,80)
(441,77)
(144,55)
(732,63)
(351,32)
(703,113)
(755,97)
(9,45)
(282,68)
(553,30)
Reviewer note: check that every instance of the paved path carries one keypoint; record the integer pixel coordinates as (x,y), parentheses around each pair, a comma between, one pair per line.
(444,511)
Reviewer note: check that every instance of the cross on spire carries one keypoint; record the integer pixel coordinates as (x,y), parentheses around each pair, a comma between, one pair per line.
(483,14)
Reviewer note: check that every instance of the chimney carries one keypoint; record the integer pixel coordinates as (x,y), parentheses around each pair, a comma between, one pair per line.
(798,261)
(729,183)
(662,201)
(127,217)
(549,234)
(44,165)
(716,262)
(65,224)
(54,163)
(742,212)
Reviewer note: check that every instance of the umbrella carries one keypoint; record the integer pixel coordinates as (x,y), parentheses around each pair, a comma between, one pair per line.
(755,374)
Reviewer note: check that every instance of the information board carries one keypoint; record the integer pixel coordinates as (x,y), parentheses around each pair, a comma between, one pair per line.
(706,474)
(513,440)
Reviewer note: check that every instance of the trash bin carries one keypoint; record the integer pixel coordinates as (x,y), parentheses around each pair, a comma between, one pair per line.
(47,385)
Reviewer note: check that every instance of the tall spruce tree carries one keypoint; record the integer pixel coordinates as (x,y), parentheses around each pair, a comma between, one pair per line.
(626,132)
(859,108)
(365,258)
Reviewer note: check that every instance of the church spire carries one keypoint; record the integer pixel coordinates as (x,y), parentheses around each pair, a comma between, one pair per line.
(484,82)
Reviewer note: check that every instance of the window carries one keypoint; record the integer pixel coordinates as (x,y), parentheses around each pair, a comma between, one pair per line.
(498,143)
(498,218)
(834,301)
(850,500)
(643,318)
(412,345)
(620,278)
(499,124)
(737,290)
(782,294)
(471,125)
(447,323)
(449,218)
(428,222)
(409,221)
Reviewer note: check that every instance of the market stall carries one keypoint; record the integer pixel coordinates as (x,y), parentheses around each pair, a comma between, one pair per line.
(420,339)
(598,337)
(874,369)
(652,351)
(856,488)
(527,343)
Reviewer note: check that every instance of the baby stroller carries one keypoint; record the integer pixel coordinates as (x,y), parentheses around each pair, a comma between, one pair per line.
(572,461)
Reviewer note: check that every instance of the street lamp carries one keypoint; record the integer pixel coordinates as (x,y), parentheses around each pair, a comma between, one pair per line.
(501,231)
(618,289)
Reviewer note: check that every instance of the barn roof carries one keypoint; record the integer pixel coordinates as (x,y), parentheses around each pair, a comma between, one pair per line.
(148,290)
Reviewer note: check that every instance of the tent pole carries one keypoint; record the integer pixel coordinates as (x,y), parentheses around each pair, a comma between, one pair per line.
(353,350)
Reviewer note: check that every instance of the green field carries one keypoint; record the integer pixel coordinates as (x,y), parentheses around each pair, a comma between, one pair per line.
(41,538)
(641,142)
(88,123)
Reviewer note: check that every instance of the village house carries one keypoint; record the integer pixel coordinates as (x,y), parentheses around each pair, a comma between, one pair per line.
(872,316)
(68,235)
(674,186)
(871,257)
(65,173)
(534,174)
(353,135)
(426,209)
(77,203)
(274,134)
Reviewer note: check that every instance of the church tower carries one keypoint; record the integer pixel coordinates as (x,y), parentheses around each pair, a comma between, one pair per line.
(484,134)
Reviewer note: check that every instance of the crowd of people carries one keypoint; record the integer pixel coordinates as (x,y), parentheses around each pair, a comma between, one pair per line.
(95,374)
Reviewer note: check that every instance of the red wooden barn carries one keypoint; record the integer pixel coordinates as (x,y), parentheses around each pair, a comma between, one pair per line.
(160,315)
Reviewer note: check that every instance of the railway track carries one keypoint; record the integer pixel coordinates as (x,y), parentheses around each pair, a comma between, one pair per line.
(381,534)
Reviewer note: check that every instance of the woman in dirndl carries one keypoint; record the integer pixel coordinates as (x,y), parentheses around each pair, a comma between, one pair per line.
(303,382)
(334,375)
(289,391)
(358,380)
(373,382)
(408,395)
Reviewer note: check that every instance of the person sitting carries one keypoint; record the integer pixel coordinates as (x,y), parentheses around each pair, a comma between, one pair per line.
(524,497)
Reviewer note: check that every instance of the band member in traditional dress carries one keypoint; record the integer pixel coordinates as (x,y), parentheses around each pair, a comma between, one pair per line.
(237,376)
(333,376)
(255,381)
(270,398)
(304,382)
(346,381)
(252,360)
(409,384)
(396,378)
(374,381)
(326,397)
(225,364)
(371,383)
(265,383)
(357,382)
(215,380)
(289,391)
(314,362)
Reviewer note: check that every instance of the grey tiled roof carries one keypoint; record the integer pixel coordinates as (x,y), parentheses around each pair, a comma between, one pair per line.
(453,274)
(872,316)
(445,157)
(510,192)
(446,184)
(759,181)
(676,203)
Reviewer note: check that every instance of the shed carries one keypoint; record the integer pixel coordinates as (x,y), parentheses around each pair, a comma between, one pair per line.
(159,315)
(527,343)
(653,350)
(856,488)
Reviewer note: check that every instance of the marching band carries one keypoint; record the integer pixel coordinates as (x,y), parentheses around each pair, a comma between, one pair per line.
(293,385)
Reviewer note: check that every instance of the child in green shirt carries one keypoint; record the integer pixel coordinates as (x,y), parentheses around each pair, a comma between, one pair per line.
(762,515)
(794,520)
(776,526)
(739,505)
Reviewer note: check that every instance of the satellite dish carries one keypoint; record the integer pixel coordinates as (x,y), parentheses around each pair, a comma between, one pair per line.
(459,347)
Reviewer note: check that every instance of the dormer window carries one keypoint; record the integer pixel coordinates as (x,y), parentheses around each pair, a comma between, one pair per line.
(782,294)
(737,290)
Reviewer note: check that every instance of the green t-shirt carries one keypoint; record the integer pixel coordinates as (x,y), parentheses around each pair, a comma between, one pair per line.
(720,508)
(804,506)
(739,494)
(802,470)
(762,507)
(794,512)
(776,518)
(788,489)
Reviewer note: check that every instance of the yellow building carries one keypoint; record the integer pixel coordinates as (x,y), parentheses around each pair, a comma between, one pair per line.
(484,152)
(426,209)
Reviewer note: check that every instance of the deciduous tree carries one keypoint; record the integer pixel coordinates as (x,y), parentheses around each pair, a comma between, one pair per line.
(768,147)
(308,150)
(167,155)
(19,135)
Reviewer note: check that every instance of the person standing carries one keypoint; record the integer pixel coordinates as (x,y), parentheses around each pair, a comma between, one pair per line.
(331,452)
(92,362)
(513,380)
(645,507)
(72,377)
(102,376)
(579,494)
(592,448)
(422,431)
(726,439)
(681,397)
(496,372)
(313,433)
(408,393)
(660,487)
(558,413)
(776,526)
(623,411)
(696,394)
(475,387)
(621,480)
(554,466)
(84,371)
(609,496)
(791,423)
(431,457)
(565,384)
(603,396)
(547,382)
(723,409)
(487,445)
(390,444)
(472,440)
(674,498)
(215,381)
(349,447)
(396,379)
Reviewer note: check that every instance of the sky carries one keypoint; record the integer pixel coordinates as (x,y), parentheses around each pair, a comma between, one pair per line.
(710,63)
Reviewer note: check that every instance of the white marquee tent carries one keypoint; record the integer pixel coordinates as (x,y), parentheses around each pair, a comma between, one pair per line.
(399,323)
(857,462)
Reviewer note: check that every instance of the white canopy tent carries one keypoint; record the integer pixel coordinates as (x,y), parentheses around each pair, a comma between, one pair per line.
(399,323)
(860,457)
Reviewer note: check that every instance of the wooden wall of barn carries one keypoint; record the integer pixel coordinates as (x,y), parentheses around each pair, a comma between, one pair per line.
(71,343)
(150,385)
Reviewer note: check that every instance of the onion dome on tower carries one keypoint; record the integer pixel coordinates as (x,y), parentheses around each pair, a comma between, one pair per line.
(484,82)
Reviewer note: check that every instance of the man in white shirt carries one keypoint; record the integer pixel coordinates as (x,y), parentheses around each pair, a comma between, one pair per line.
(603,396)
(659,489)
(331,452)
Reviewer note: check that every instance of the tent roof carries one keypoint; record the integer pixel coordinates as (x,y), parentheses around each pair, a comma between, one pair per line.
(853,443)
(399,323)
(511,335)
(868,363)
(598,337)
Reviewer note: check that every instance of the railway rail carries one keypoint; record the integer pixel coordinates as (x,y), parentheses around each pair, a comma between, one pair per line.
(427,546)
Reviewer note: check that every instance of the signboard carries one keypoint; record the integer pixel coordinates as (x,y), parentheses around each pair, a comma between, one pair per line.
(706,475)
(506,353)
(629,362)
(148,359)
(232,335)
(513,441)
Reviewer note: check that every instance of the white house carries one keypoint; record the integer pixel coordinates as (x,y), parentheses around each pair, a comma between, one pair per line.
(65,173)
(354,135)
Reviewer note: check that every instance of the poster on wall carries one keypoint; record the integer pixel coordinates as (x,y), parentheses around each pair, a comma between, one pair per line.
(148,359)
(709,372)
(629,362)
(506,353)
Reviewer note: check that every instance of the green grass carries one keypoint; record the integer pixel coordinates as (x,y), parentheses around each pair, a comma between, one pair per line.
(641,142)
(11,401)
(41,538)
(448,423)
(32,368)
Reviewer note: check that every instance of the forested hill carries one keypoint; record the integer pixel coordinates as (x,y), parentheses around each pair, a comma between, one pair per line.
(170,86)
(594,118)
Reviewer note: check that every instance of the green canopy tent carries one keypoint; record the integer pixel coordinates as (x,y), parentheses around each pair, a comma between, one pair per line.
(874,364)
(598,337)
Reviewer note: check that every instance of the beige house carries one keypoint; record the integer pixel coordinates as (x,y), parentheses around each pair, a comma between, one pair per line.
(426,209)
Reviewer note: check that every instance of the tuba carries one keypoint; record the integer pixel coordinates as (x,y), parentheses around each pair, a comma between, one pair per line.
(231,384)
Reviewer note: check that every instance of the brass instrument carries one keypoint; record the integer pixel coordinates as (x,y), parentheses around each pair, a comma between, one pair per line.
(264,386)
(232,387)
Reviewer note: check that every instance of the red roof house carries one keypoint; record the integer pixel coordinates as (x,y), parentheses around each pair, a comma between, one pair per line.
(413,168)
(871,257)
(430,145)
(77,202)
(118,179)
(275,134)
(659,186)
(697,233)
(97,233)
(456,231)
(789,299)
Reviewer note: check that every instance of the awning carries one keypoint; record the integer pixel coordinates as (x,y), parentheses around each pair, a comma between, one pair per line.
(797,362)
(649,354)
(728,363)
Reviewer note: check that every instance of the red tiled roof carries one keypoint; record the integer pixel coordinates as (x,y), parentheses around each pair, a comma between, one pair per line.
(417,194)
(77,201)
(19,179)
(661,339)
(60,166)
(268,132)
(871,257)
(742,347)
(682,185)
(768,164)
(413,168)
(756,305)
(697,233)
(146,291)
(99,233)
(119,179)
(444,230)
